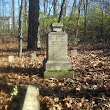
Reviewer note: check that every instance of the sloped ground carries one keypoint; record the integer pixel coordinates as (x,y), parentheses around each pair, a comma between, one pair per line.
(89,90)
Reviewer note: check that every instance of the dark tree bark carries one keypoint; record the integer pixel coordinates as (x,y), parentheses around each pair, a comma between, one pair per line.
(77,23)
(85,17)
(13,16)
(33,24)
(85,3)
(55,3)
(0,7)
(76,28)
(65,8)
(61,12)
(44,6)
(20,33)
(3,13)
(73,8)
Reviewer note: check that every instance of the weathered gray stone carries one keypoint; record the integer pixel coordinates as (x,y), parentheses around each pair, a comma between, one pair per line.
(57,50)
(10,58)
(59,74)
(31,101)
(33,56)
(57,27)
(74,53)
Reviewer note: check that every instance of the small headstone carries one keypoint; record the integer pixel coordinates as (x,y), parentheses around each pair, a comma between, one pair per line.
(10,58)
(38,44)
(33,56)
(74,53)
(31,101)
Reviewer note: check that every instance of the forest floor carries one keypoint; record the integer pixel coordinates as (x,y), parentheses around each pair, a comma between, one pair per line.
(88,90)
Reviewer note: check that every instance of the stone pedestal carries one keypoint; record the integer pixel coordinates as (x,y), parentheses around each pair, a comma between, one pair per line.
(57,50)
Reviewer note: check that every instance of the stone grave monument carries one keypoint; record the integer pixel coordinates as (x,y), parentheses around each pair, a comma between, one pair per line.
(57,64)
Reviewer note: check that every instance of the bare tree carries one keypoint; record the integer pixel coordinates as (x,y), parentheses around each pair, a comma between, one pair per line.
(55,10)
(33,24)
(0,8)
(25,15)
(73,9)
(77,24)
(13,16)
(65,8)
(19,3)
(20,35)
(85,16)
(44,6)
(61,12)
(3,13)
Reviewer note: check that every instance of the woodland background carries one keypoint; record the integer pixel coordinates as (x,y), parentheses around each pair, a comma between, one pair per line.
(87,23)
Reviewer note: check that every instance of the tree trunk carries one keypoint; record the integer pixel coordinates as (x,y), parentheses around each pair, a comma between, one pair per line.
(13,16)
(24,16)
(3,5)
(20,36)
(55,3)
(77,23)
(47,6)
(33,24)
(85,18)
(44,6)
(61,12)
(64,8)
(73,9)
(0,8)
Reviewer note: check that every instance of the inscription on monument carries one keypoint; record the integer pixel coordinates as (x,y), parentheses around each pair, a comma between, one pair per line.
(57,50)
(57,47)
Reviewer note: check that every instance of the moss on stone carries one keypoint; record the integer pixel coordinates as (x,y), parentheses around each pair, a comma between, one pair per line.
(59,74)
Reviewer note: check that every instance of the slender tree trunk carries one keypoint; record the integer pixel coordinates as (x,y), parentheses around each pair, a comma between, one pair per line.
(85,18)
(33,24)
(44,6)
(61,12)
(55,3)
(20,35)
(24,16)
(77,25)
(73,9)
(50,9)
(46,3)
(102,20)
(47,6)
(18,3)
(64,8)
(3,20)
(13,16)
(103,39)
(76,29)
(0,8)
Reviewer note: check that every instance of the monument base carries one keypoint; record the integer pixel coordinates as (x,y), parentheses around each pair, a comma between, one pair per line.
(58,65)
(59,74)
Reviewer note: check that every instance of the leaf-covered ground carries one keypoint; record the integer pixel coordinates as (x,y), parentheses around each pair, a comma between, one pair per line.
(88,90)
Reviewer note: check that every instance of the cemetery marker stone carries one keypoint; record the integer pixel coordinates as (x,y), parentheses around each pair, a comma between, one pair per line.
(33,55)
(74,53)
(10,58)
(57,50)
(31,101)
